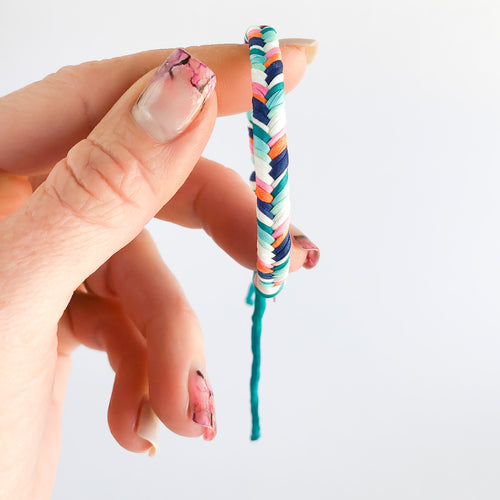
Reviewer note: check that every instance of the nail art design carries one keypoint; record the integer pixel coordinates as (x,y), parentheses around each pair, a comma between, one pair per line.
(202,404)
(313,252)
(174,96)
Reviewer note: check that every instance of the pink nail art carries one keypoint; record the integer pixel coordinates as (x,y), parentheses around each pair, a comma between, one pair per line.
(174,96)
(202,404)
(313,252)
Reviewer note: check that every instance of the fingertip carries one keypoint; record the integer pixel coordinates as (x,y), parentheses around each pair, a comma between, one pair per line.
(308,46)
(173,406)
(188,408)
(127,406)
(294,65)
(304,252)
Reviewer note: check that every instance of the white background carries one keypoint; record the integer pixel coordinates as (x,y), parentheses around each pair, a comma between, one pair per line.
(381,373)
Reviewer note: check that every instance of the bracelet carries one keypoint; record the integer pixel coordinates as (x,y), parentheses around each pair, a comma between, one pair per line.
(268,145)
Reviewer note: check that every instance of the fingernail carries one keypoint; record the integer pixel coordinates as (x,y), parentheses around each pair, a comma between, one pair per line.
(308,44)
(305,243)
(201,399)
(174,96)
(147,426)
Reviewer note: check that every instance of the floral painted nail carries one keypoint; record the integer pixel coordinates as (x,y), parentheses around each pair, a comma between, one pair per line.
(202,406)
(174,96)
(304,242)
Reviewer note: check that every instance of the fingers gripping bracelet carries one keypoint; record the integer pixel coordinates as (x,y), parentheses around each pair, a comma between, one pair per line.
(268,145)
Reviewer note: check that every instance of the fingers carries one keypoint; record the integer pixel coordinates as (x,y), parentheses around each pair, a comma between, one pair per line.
(99,198)
(217,199)
(42,121)
(179,390)
(102,324)
(232,67)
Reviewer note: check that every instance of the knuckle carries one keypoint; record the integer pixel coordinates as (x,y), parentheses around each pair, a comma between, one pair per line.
(94,182)
(74,80)
(69,79)
(175,309)
(231,180)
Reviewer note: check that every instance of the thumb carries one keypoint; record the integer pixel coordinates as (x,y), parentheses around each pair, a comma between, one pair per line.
(111,184)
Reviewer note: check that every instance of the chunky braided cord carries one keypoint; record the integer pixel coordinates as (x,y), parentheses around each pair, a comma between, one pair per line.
(267,130)
(268,145)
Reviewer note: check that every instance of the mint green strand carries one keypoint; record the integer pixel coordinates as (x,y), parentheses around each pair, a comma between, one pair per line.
(263,227)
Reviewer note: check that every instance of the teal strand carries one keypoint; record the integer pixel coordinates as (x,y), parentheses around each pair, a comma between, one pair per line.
(258,314)
(250,295)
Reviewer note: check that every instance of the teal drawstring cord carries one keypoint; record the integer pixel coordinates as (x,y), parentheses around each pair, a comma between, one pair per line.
(259,303)
(250,295)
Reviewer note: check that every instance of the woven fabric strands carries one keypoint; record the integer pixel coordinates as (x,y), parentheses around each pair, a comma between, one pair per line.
(268,144)
(267,131)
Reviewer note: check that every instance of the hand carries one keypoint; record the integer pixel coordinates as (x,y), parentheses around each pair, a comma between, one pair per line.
(84,224)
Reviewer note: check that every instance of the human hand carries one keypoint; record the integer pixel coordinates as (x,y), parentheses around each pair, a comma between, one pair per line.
(85,223)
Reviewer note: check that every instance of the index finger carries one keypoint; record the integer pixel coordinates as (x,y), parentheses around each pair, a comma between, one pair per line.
(42,121)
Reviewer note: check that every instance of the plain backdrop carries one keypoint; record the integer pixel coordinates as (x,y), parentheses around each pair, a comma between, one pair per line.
(381,373)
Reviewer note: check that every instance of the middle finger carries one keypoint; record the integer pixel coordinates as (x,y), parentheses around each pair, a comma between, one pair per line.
(217,199)
(155,302)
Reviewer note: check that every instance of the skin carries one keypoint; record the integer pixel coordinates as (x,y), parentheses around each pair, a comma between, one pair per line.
(131,305)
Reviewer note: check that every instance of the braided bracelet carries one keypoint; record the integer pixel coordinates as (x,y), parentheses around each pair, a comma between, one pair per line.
(267,131)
